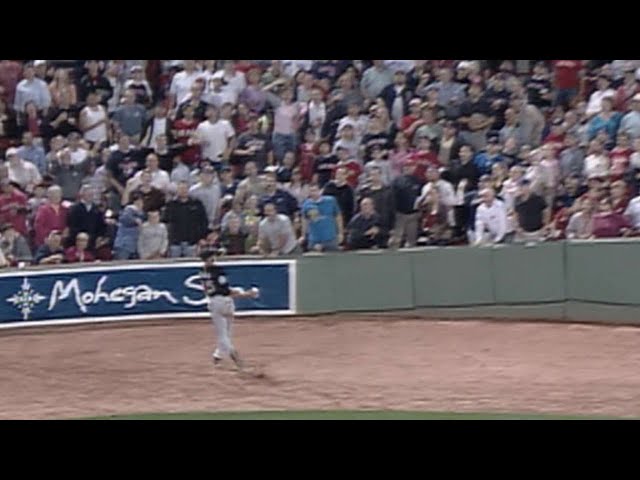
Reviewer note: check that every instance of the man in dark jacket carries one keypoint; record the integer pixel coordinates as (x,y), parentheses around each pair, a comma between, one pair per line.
(187,222)
(365,229)
(95,82)
(284,202)
(397,97)
(195,100)
(85,216)
(464,176)
(406,190)
(343,193)
(382,196)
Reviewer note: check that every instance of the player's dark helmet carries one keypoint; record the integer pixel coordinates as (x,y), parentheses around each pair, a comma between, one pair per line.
(211,252)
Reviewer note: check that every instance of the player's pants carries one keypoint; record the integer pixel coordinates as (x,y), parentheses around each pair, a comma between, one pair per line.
(222,310)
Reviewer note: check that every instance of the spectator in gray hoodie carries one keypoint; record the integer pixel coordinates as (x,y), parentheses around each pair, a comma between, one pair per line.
(207,190)
(153,240)
(67,175)
(13,245)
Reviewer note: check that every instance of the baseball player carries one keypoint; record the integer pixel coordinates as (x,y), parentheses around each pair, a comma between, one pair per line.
(220,295)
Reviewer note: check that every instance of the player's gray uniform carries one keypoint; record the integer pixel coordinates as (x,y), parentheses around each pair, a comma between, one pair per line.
(221,307)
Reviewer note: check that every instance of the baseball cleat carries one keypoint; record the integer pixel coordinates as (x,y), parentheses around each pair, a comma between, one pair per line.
(236,359)
(216,360)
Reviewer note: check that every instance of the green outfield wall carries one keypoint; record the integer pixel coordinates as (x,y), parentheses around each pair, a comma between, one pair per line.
(571,281)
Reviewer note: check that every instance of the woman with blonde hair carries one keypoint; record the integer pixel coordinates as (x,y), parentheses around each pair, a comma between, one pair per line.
(62,84)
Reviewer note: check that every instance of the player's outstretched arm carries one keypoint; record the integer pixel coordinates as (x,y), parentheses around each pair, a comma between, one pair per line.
(237,292)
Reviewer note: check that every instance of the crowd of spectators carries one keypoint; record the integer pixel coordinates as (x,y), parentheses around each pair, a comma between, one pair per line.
(127,159)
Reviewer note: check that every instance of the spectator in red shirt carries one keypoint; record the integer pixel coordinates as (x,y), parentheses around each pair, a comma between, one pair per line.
(609,224)
(619,157)
(50,216)
(352,168)
(183,129)
(79,253)
(619,196)
(411,118)
(567,80)
(13,206)
(434,220)
(424,157)
(31,121)
(307,155)
(561,220)
(555,138)
(10,74)
(241,119)
(399,155)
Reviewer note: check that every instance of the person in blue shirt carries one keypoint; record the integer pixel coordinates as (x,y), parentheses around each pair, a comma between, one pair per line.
(322,225)
(607,120)
(33,153)
(131,218)
(485,159)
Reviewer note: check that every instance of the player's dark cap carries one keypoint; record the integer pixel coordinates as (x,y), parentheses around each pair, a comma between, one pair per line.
(211,252)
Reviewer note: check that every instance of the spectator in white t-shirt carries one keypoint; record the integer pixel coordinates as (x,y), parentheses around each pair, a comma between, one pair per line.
(275,233)
(633,213)
(215,137)
(491,219)
(22,172)
(595,100)
(182,81)
(597,162)
(159,178)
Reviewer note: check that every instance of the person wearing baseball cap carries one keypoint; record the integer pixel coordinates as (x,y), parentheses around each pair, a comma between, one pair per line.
(14,245)
(532,214)
(627,88)
(397,97)
(604,90)
(252,145)
(406,189)
(207,191)
(220,296)
(539,86)
(218,92)
(413,117)
(491,219)
(492,156)
(630,123)
(40,67)
(25,174)
(139,84)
